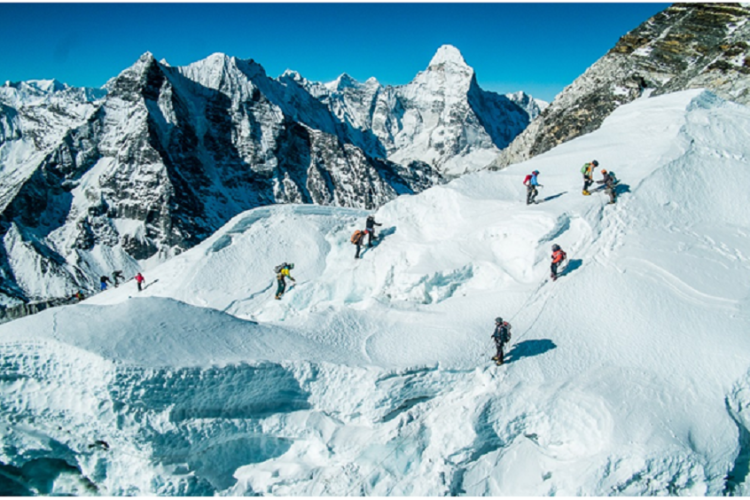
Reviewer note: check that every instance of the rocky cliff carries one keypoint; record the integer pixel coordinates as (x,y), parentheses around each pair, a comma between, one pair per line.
(685,46)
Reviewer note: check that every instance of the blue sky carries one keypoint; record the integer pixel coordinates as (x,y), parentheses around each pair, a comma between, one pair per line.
(535,47)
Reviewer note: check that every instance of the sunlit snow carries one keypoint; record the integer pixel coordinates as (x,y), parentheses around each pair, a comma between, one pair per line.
(627,376)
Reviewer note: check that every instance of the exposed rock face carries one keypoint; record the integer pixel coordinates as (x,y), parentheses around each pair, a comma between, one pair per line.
(91,182)
(686,46)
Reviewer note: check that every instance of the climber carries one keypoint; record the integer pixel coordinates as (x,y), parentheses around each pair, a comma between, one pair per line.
(370,229)
(588,176)
(609,186)
(501,336)
(532,183)
(558,256)
(282,272)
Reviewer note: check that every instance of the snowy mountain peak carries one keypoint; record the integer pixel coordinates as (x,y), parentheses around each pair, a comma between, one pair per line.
(226,74)
(146,61)
(447,55)
(249,68)
(293,75)
(146,57)
(343,82)
(48,86)
(218,59)
(447,70)
(31,89)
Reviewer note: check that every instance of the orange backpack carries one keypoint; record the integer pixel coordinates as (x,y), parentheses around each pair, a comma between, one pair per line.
(357,236)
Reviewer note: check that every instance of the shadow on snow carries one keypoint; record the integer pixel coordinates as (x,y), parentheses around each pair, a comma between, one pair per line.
(381,235)
(552,197)
(571,266)
(529,348)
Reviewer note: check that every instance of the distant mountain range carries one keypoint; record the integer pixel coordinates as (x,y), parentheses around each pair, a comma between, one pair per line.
(97,180)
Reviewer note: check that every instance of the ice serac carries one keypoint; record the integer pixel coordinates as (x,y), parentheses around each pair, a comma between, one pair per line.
(686,46)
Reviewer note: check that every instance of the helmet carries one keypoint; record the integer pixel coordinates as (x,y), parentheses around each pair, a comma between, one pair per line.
(604,171)
(291,266)
(555,247)
(535,172)
(498,320)
(595,163)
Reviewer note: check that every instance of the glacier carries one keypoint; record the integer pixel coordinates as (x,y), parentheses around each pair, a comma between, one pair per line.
(629,375)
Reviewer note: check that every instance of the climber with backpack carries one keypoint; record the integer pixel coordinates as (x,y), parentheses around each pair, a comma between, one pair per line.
(370,229)
(558,256)
(103,282)
(532,183)
(358,238)
(117,277)
(610,181)
(501,336)
(588,176)
(282,272)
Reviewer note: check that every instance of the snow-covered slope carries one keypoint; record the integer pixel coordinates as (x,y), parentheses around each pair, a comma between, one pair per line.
(628,376)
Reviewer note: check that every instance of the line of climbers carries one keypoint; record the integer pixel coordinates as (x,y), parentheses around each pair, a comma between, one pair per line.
(501,335)
(105,281)
(117,276)
(358,239)
(609,181)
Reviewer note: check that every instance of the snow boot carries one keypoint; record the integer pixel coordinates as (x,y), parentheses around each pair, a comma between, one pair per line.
(586,193)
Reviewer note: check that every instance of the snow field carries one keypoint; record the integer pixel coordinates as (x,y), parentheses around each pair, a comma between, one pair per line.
(627,376)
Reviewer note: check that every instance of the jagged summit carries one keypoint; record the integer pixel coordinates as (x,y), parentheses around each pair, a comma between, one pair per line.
(343,82)
(447,73)
(294,75)
(52,85)
(37,87)
(146,57)
(447,55)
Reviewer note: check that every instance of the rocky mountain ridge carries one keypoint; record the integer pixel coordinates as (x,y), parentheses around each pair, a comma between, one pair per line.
(683,47)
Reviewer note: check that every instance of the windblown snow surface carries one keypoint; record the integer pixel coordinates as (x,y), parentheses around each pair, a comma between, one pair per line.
(627,376)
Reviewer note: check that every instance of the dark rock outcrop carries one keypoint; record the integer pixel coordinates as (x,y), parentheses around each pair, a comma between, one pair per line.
(685,46)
